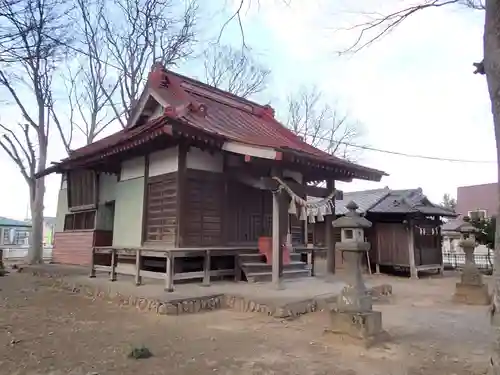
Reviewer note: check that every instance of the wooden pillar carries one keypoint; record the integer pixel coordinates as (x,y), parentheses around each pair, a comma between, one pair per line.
(277,256)
(284,220)
(138,265)
(2,253)
(411,250)
(169,273)
(181,195)
(112,275)
(92,264)
(329,240)
(237,268)
(310,261)
(206,269)
(439,245)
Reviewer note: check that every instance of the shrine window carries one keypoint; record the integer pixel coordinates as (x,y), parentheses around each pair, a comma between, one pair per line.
(82,190)
(84,220)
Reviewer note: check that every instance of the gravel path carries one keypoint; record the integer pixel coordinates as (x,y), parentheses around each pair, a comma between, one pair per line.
(44,331)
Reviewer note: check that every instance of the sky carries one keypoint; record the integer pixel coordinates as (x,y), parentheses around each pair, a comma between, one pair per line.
(413,91)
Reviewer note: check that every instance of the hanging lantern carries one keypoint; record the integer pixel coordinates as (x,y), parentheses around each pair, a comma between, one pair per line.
(303,213)
(292,209)
(320,217)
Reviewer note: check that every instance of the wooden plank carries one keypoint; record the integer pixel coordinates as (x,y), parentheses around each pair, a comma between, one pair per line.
(103,268)
(162,250)
(428,267)
(185,275)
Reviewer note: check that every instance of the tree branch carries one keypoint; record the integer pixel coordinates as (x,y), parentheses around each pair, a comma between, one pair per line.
(320,125)
(381,25)
(13,147)
(234,71)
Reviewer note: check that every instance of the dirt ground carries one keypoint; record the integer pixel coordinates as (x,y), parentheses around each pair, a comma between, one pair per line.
(45,331)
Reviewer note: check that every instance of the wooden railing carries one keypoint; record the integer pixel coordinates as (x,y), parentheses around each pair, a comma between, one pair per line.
(169,254)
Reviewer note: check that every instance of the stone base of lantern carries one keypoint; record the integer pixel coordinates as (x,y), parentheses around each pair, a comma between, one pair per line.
(364,328)
(471,294)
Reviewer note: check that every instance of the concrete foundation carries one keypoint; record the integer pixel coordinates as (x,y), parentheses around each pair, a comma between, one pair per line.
(363,327)
(471,294)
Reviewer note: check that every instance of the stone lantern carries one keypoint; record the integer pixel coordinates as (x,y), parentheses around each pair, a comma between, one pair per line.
(471,288)
(354,315)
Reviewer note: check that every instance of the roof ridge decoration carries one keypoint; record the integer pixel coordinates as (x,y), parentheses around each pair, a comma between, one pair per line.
(183,87)
(215,93)
(160,79)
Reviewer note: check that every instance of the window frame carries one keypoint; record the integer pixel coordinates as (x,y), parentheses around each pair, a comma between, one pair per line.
(80,221)
(82,190)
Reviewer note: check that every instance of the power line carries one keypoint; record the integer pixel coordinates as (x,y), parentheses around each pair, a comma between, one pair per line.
(398,153)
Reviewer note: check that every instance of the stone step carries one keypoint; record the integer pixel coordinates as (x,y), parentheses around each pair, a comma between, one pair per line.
(260,258)
(264,267)
(254,277)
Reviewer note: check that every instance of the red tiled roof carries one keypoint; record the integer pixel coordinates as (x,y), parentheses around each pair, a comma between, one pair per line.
(243,121)
(217,113)
(117,138)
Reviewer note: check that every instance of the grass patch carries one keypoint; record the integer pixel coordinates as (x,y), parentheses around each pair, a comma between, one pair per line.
(140,353)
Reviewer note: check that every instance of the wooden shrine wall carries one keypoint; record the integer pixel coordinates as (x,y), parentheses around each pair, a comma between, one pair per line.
(202,209)
(248,213)
(160,220)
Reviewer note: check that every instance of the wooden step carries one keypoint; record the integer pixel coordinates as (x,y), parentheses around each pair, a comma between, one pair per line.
(254,277)
(260,258)
(251,267)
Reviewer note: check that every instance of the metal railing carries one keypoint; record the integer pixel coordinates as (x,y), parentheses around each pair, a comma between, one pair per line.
(453,261)
(19,252)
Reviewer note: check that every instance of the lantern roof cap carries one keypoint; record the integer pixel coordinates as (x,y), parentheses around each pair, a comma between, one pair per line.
(352,219)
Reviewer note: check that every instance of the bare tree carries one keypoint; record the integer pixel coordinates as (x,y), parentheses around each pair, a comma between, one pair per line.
(321,125)
(380,25)
(29,61)
(90,84)
(449,202)
(235,71)
(242,6)
(138,33)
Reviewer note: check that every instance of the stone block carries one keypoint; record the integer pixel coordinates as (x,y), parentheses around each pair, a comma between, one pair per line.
(172,309)
(471,276)
(364,327)
(471,294)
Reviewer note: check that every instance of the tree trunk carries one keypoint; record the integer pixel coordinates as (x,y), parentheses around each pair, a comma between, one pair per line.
(492,70)
(35,253)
